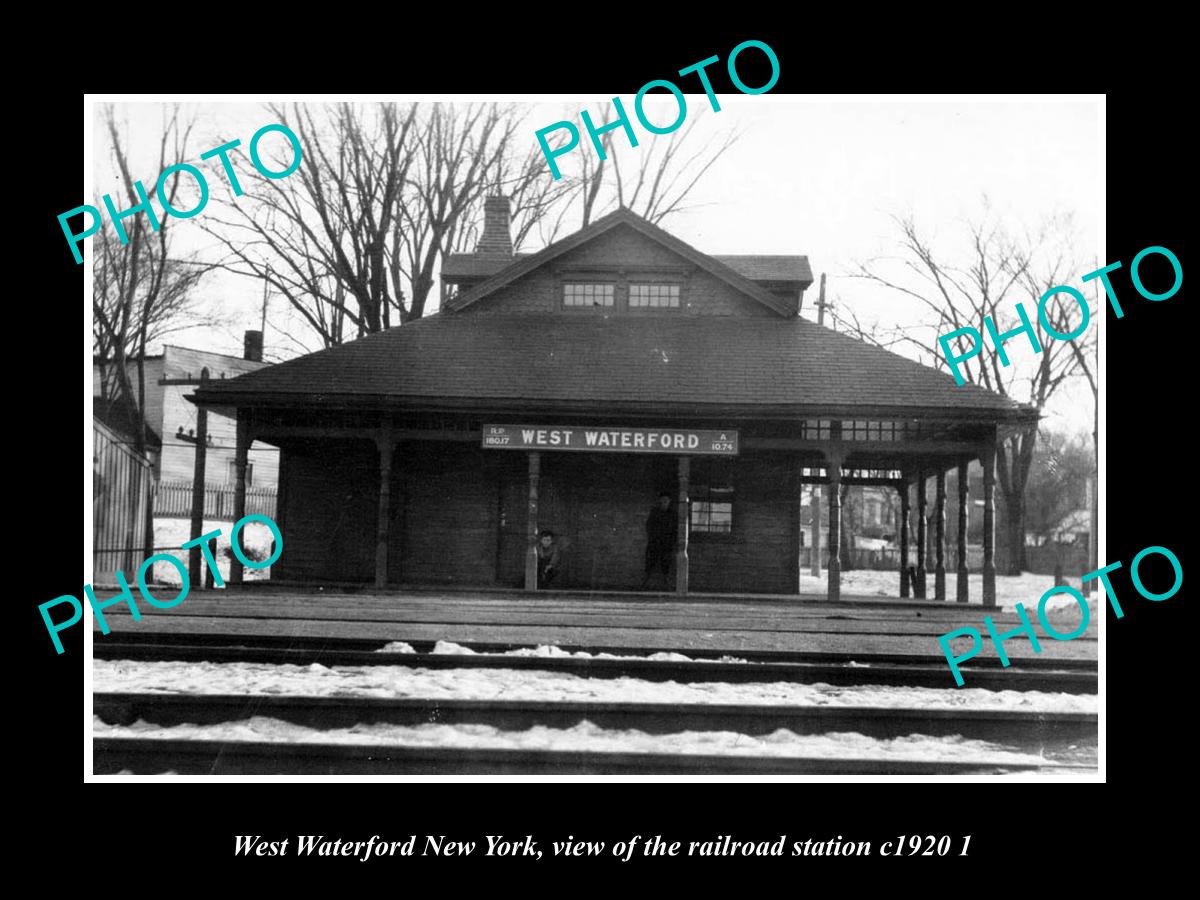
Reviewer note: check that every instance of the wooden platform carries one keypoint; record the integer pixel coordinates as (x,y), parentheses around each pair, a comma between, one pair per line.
(577,620)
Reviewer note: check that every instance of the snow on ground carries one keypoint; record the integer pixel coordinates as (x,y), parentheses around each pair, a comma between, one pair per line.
(588,737)
(1026,588)
(172,533)
(545,651)
(540,686)
(403,647)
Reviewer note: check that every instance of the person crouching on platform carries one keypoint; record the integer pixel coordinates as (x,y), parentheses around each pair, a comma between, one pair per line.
(548,554)
(661,529)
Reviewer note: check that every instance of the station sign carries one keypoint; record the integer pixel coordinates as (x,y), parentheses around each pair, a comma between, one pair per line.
(611,439)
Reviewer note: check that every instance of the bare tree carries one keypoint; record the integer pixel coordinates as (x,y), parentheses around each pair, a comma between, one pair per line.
(998,271)
(320,236)
(538,203)
(1058,482)
(354,238)
(654,180)
(851,510)
(462,152)
(141,291)
(1088,359)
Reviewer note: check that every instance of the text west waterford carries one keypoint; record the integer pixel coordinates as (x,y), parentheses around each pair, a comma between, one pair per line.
(617,440)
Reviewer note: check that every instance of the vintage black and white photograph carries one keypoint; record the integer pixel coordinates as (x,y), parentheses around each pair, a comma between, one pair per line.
(522,436)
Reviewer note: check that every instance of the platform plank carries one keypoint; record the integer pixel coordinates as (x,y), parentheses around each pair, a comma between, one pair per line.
(582,608)
(778,625)
(577,636)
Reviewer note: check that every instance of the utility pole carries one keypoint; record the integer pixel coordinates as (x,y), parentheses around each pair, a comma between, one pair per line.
(1094,500)
(266,292)
(821,304)
(816,488)
(198,485)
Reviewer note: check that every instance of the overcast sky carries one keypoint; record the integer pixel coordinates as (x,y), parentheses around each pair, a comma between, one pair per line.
(805,177)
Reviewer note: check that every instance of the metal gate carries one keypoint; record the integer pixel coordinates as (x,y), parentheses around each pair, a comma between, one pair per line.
(122,497)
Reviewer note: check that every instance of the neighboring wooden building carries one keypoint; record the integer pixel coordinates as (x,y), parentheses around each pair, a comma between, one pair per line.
(403,459)
(169,377)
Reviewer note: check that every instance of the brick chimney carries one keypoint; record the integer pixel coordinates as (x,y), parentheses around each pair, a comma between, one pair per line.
(496,239)
(253,346)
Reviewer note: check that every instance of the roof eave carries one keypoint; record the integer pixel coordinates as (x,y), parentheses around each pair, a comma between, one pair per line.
(504,405)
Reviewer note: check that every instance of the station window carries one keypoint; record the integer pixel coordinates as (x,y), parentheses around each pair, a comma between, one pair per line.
(712,510)
(653,296)
(584,295)
(231,472)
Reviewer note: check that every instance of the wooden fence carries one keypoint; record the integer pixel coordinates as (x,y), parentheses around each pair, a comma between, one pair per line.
(122,490)
(173,500)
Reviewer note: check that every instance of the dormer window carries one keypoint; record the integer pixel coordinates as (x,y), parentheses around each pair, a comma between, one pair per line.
(651,295)
(585,295)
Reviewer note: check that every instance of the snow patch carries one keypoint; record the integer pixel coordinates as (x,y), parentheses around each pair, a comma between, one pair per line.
(550,651)
(255,538)
(442,648)
(1026,588)
(546,651)
(542,686)
(591,738)
(396,647)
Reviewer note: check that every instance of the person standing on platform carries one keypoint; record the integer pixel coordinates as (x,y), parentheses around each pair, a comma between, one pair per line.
(662,527)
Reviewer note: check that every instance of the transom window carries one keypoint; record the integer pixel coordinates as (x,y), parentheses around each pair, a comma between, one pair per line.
(861,430)
(823,472)
(873,431)
(890,474)
(657,296)
(821,429)
(588,294)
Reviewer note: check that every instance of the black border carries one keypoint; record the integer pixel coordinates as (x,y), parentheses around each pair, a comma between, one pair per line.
(1148,455)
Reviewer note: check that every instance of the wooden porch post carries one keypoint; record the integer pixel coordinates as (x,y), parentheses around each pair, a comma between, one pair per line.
(919,591)
(815,562)
(939,538)
(385,444)
(904,509)
(964,494)
(531,557)
(198,476)
(834,590)
(681,535)
(988,458)
(239,493)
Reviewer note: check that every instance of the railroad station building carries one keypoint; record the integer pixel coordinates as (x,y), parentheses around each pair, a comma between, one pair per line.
(567,388)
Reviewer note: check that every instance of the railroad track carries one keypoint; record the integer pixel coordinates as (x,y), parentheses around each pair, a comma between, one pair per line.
(1067,676)
(192,757)
(1042,730)
(1065,740)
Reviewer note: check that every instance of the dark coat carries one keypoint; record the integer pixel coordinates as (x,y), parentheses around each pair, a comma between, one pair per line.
(661,527)
(549,556)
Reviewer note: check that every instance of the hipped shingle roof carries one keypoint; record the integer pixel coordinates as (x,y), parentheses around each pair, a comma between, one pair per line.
(663,360)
